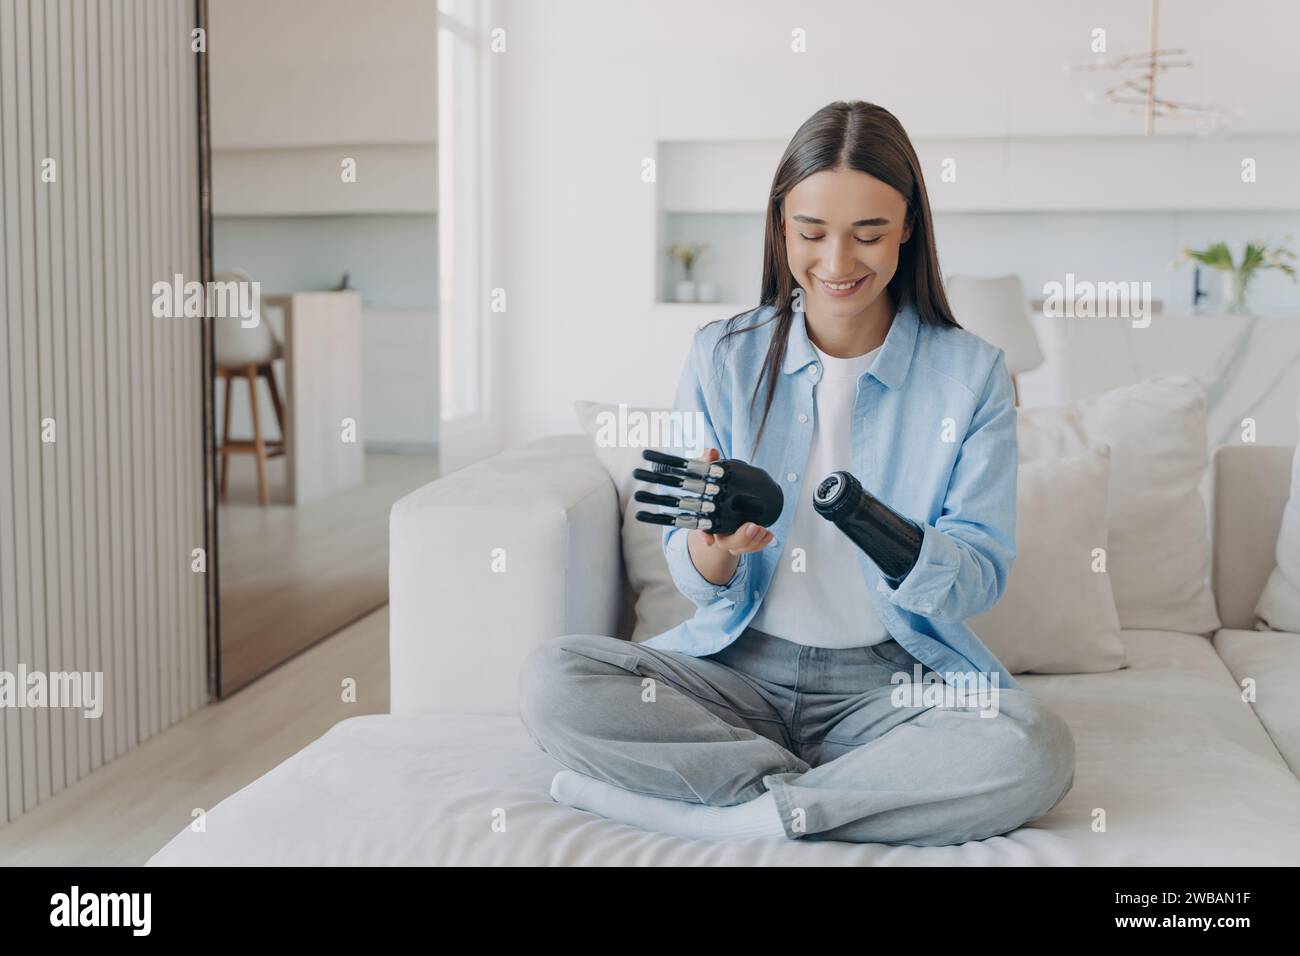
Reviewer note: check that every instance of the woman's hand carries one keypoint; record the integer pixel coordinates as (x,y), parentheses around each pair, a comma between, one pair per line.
(748,537)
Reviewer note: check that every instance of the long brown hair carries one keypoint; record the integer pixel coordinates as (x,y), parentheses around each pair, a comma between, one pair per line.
(868,138)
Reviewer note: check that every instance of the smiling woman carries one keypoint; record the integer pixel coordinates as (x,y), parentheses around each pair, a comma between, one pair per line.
(774,706)
(849,237)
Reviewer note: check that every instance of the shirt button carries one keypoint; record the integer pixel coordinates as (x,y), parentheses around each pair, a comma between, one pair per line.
(791,477)
(802,419)
(755,595)
(812,369)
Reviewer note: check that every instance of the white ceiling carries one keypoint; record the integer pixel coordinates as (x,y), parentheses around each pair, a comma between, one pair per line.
(945,67)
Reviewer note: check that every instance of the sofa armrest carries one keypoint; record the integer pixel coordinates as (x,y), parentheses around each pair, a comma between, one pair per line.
(491,560)
(1251,486)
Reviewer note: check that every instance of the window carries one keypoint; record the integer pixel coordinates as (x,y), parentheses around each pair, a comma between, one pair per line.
(462,52)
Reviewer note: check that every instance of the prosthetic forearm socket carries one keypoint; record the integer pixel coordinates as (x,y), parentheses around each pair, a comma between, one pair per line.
(892,541)
(723,495)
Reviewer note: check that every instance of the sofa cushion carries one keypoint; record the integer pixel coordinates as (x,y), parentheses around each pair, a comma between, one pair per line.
(1172,769)
(1279,605)
(1270,660)
(1057,615)
(659,606)
(1158,553)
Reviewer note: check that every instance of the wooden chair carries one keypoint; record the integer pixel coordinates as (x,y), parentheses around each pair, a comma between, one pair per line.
(247,353)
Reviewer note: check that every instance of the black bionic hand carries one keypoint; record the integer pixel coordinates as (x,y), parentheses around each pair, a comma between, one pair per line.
(887,538)
(726,493)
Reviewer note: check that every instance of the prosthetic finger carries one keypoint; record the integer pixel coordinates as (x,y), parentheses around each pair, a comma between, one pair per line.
(892,541)
(719,496)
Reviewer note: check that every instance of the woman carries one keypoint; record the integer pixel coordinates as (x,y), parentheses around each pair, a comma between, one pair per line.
(773,712)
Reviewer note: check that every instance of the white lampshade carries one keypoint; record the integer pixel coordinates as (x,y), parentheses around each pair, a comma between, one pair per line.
(996,311)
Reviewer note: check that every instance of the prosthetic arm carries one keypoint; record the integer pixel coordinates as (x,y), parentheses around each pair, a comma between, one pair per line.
(887,538)
(724,494)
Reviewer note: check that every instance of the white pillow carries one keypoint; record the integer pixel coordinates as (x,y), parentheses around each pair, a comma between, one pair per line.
(1057,615)
(1158,554)
(659,605)
(1279,605)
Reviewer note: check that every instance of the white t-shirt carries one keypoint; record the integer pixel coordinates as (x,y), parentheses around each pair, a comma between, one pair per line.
(826,604)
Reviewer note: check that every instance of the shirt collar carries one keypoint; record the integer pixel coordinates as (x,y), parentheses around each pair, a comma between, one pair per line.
(891,364)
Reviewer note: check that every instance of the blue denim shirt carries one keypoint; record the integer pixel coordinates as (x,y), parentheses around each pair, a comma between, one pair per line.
(934,437)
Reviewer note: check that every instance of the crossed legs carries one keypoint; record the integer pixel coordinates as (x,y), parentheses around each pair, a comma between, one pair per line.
(677,730)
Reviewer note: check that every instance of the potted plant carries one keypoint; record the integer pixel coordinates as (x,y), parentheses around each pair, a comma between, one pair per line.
(688,254)
(1238,272)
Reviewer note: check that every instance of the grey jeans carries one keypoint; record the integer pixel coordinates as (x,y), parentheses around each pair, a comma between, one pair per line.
(817,726)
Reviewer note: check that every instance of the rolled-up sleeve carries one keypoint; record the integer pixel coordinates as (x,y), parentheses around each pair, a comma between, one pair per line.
(698,589)
(967,554)
(706,420)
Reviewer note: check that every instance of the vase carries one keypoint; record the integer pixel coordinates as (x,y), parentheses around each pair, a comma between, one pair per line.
(1235,285)
(684,291)
(706,290)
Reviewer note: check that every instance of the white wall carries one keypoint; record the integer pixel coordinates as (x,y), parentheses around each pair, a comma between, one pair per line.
(299,85)
(393,179)
(587,90)
(289,73)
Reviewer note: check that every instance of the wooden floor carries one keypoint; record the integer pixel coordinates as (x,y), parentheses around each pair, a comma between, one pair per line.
(291,575)
(125,811)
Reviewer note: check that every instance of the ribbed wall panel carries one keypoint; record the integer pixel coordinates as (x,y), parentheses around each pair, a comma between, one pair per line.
(96,528)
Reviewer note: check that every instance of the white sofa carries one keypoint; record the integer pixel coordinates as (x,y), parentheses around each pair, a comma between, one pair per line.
(1173,767)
